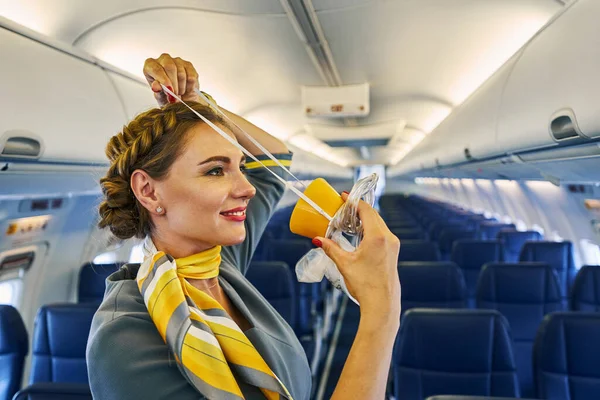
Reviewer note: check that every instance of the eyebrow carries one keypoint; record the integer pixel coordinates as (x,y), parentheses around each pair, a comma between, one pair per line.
(223,159)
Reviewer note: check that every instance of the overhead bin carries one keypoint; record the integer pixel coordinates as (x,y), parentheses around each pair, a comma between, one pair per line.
(553,93)
(55,107)
(137,96)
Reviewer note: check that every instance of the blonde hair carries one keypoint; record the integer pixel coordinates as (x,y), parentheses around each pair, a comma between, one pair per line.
(151,142)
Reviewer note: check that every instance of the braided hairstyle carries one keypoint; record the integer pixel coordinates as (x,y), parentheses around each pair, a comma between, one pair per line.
(151,142)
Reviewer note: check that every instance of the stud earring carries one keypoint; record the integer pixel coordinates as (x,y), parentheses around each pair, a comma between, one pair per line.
(159,210)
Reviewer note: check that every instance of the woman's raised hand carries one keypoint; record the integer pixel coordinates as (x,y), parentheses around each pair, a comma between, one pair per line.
(177,74)
(371,271)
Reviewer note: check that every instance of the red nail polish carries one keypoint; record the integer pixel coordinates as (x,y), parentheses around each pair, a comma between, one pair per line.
(317,242)
(344,192)
(170,98)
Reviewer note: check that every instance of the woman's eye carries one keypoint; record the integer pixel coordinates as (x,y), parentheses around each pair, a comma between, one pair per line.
(218,171)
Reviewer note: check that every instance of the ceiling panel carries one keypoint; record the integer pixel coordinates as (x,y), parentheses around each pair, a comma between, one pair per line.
(66,20)
(243,62)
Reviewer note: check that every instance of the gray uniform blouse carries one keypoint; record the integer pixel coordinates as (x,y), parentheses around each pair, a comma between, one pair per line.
(126,356)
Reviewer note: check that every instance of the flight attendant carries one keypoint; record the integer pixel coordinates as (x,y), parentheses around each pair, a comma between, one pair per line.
(187,324)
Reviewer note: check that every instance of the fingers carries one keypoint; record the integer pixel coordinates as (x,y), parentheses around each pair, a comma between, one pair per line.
(181,76)
(191,81)
(170,69)
(332,249)
(372,222)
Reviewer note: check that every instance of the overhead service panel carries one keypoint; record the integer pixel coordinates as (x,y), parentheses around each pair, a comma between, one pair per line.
(336,102)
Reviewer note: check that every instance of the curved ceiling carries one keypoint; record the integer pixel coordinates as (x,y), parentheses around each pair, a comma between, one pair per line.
(422,58)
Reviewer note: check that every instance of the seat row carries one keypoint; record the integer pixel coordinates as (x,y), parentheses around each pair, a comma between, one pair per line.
(523,293)
(471,352)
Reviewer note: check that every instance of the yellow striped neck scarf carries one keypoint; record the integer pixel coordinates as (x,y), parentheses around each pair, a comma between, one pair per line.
(212,352)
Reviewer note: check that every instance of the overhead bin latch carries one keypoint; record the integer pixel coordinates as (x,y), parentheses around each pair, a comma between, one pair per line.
(563,126)
(20,144)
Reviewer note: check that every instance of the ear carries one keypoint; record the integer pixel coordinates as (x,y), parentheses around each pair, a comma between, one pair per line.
(144,189)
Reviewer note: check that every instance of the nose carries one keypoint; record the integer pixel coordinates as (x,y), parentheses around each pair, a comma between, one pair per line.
(243,189)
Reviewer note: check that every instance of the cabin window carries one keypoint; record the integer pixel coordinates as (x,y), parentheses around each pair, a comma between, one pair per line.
(109,257)
(137,253)
(9,291)
(590,252)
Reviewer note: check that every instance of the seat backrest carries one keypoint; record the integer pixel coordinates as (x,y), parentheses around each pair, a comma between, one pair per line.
(274,280)
(419,250)
(451,397)
(449,236)
(290,252)
(585,293)
(565,356)
(431,285)
(513,242)
(471,255)
(14,346)
(465,352)
(59,341)
(490,230)
(559,255)
(409,234)
(55,391)
(524,293)
(92,281)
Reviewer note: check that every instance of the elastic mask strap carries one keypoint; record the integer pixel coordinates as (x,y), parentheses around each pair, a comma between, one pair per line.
(287,184)
(254,141)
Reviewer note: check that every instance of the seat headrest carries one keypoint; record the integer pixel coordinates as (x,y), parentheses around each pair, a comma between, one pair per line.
(586,289)
(55,391)
(431,281)
(513,240)
(419,250)
(472,254)
(273,279)
(92,281)
(13,335)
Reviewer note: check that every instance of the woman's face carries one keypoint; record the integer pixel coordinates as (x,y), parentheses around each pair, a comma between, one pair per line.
(204,195)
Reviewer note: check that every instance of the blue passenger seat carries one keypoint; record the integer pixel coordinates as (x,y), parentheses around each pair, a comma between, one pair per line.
(513,242)
(14,346)
(466,352)
(92,281)
(274,280)
(449,236)
(431,285)
(470,256)
(524,294)
(59,342)
(419,250)
(559,255)
(585,294)
(566,356)
(55,391)
(490,230)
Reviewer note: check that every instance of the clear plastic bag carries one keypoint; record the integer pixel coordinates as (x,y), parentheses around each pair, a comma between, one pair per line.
(316,264)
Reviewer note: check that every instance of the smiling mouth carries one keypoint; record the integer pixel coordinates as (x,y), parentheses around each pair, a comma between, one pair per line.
(237,214)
